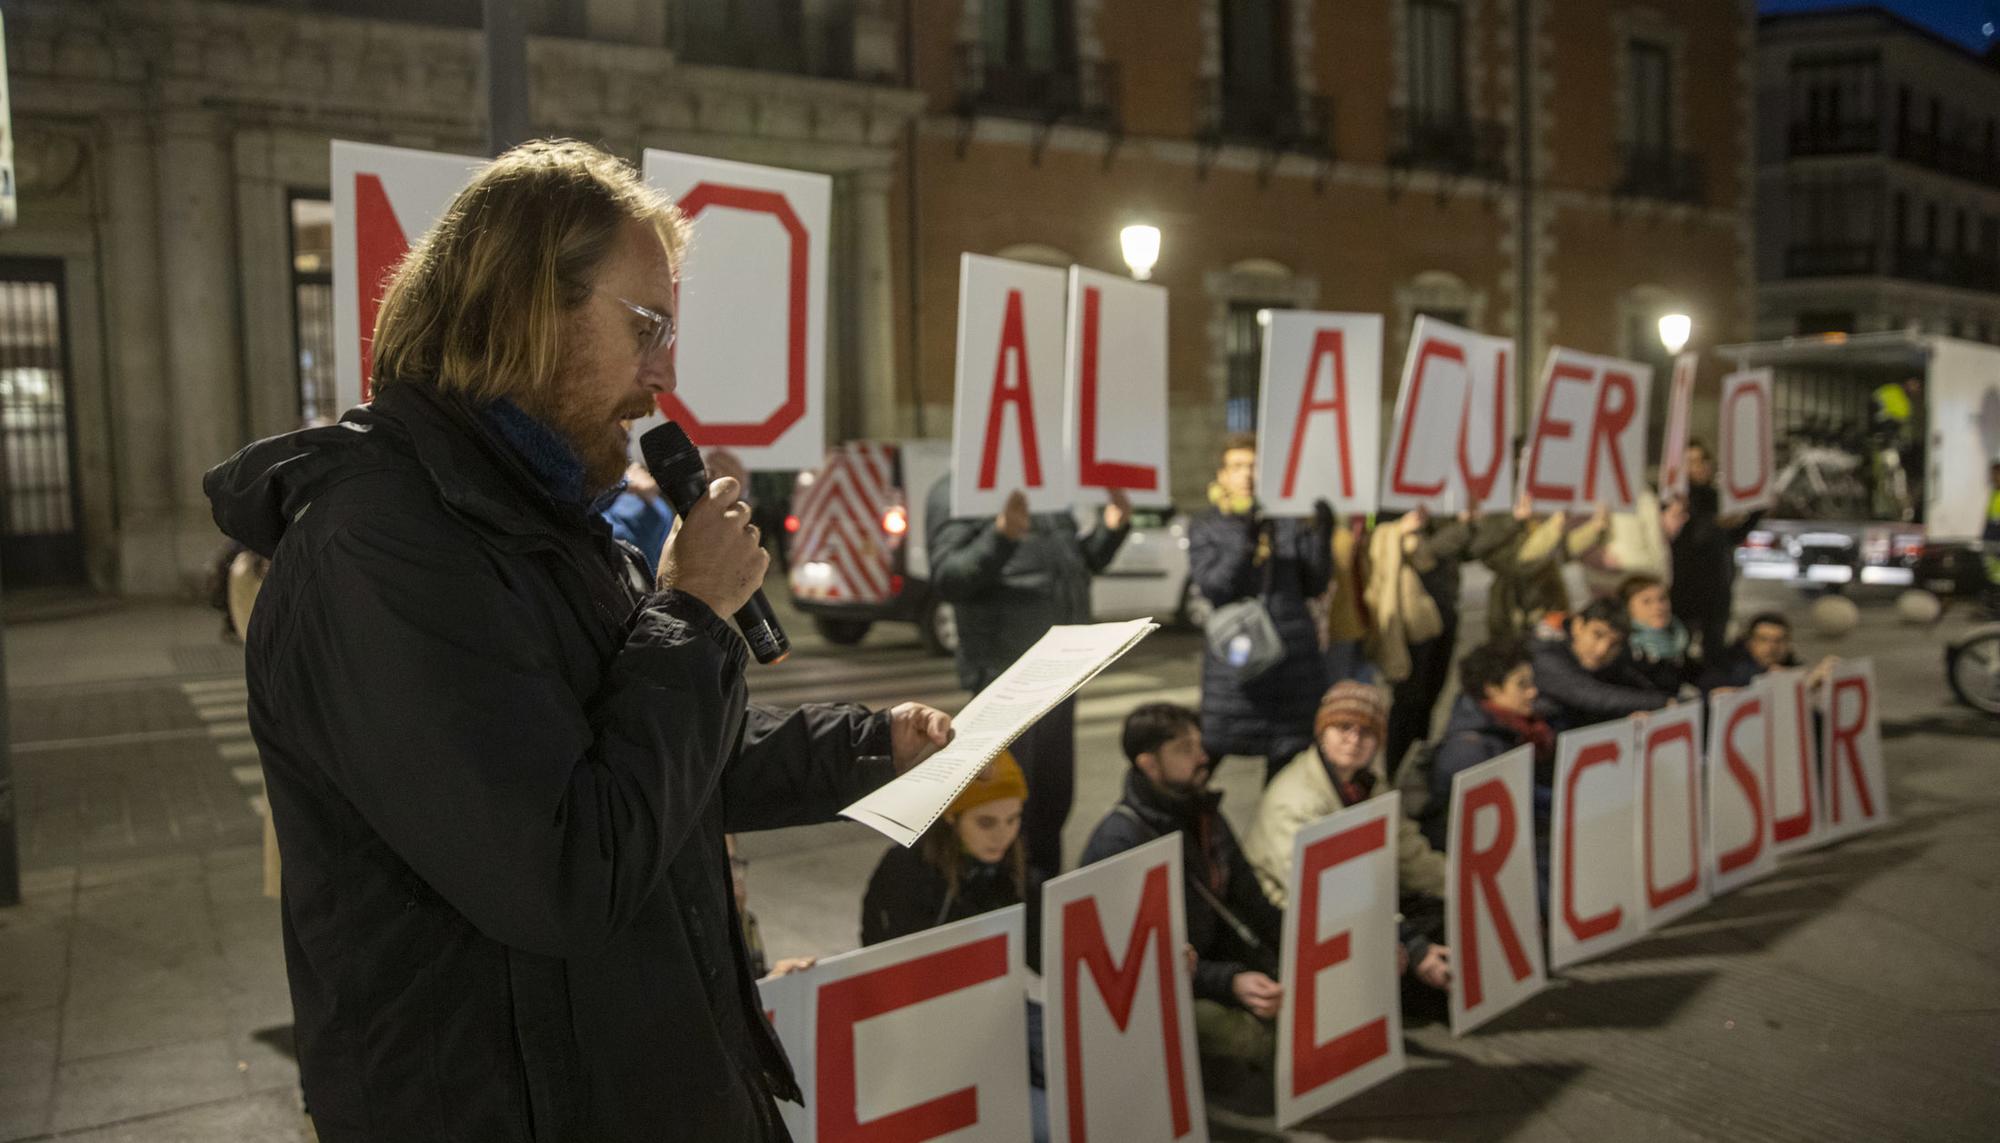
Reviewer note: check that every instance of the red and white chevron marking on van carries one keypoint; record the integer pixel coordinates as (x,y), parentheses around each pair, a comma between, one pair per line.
(851,520)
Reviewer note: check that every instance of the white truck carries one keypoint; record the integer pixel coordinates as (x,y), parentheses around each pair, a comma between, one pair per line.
(1846,514)
(857,555)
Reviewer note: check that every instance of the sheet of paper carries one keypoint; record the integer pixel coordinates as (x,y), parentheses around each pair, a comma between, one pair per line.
(1052,670)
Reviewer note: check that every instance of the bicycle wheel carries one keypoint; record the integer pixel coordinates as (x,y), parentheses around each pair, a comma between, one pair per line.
(1974,670)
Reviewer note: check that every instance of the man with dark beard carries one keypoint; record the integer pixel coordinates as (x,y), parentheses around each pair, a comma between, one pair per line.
(501,758)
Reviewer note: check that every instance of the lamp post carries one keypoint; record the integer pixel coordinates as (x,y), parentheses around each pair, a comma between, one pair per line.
(1140,244)
(1674,331)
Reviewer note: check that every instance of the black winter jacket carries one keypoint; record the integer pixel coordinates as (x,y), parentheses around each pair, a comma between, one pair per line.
(1219,952)
(906,894)
(500,769)
(1271,714)
(1572,697)
(1704,557)
(1006,594)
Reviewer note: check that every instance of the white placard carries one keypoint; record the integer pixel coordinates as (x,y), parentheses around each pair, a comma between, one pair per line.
(879,1068)
(1792,780)
(384,200)
(1739,827)
(1670,844)
(1115,412)
(1340,1022)
(1745,465)
(1674,440)
(1493,923)
(1007,421)
(1118,1004)
(1593,885)
(1588,443)
(1056,667)
(750,357)
(787,1004)
(1451,445)
(1857,783)
(1320,412)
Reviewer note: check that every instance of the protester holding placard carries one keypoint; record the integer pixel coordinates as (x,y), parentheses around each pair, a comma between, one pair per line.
(1766,646)
(1704,551)
(1009,579)
(1657,645)
(970,862)
(1528,568)
(1233,930)
(1344,768)
(502,758)
(1442,547)
(1578,670)
(1237,555)
(1495,712)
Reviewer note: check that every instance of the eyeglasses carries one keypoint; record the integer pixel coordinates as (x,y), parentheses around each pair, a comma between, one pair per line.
(657,335)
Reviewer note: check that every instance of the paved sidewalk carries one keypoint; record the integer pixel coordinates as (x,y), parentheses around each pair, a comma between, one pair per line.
(1854,995)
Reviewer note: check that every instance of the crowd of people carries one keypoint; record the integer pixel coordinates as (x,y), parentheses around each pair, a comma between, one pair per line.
(1334,691)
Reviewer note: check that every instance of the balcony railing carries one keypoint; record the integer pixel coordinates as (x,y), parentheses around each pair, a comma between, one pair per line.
(1948,268)
(1274,118)
(1083,94)
(1451,142)
(1952,155)
(1855,137)
(1830,260)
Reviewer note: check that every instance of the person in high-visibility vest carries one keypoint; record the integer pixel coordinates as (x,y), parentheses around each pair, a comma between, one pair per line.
(1899,425)
(1992,533)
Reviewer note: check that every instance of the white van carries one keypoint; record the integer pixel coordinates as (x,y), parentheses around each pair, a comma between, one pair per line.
(858,558)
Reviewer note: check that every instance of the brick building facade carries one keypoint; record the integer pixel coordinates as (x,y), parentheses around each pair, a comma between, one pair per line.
(166,285)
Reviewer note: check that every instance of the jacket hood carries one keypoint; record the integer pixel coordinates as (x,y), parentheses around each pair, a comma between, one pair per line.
(256,494)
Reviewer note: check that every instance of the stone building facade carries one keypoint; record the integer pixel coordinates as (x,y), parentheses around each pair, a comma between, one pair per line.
(1360,155)
(1878,192)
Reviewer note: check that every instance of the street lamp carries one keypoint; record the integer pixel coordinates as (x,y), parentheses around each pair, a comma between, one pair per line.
(1141,246)
(1674,331)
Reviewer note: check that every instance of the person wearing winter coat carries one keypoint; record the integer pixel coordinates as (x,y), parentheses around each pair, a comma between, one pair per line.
(1443,546)
(1578,670)
(1704,557)
(969,862)
(1494,713)
(1343,768)
(500,758)
(1528,568)
(1236,553)
(1010,578)
(1233,930)
(1657,647)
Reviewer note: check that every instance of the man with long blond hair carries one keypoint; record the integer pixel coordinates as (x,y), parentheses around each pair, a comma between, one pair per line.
(501,758)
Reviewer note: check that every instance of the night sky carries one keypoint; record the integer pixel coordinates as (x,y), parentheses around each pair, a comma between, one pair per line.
(1970,22)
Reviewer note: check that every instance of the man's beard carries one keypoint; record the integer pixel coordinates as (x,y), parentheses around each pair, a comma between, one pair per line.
(596,434)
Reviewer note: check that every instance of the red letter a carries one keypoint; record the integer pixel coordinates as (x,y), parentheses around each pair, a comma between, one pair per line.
(1020,395)
(1327,344)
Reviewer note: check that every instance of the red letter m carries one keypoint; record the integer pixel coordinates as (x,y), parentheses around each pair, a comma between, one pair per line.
(1118,984)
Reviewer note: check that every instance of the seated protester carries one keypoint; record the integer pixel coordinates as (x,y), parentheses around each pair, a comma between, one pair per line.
(970,862)
(1494,713)
(1577,671)
(1766,645)
(753,937)
(1656,648)
(1232,930)
(1343,768)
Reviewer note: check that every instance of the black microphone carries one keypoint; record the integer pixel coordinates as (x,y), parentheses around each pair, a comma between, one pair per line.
(676,467)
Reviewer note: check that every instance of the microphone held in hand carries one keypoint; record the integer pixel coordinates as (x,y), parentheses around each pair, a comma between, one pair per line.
(676,467)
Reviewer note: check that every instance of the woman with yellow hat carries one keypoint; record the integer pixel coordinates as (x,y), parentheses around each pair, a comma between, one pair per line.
(970,862)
